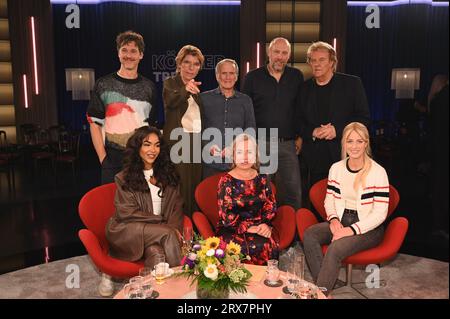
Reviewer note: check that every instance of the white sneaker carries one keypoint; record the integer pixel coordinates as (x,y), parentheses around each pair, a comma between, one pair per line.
(106,286)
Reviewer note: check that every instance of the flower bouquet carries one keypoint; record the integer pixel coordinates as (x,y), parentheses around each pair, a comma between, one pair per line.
(216,268)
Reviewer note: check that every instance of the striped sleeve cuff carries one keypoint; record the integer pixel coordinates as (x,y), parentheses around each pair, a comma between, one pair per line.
(356,229)
(331,216)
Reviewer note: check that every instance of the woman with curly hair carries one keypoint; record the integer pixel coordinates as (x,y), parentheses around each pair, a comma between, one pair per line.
(148,216)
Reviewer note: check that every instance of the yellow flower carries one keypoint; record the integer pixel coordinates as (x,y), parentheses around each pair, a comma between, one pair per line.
(212,243)
(233,248)
(202,253)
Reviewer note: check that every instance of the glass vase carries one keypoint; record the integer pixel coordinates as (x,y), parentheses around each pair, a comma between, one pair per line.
(208,293)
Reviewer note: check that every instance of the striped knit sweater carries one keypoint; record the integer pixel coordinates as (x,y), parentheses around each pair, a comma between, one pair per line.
(372,200)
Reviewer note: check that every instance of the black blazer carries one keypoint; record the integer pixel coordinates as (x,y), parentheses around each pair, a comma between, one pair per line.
(348,104)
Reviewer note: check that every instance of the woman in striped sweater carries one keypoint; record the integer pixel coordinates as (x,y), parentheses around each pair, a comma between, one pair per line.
(356,203)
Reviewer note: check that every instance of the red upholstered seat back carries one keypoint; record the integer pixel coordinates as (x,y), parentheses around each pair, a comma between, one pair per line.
(206,197)
(95,209)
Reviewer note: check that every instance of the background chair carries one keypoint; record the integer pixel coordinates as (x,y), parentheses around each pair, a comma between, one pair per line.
(8,158)
(207,219)
(68,150)
(95,209)
(393,236)
(43,151)
(28,132)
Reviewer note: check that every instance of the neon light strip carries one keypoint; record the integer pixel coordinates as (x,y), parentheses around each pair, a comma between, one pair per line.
(257,55)
(25,90)
(36,85)
(334,43)
(160,2)
(47,255)
(395,3)
(248,67)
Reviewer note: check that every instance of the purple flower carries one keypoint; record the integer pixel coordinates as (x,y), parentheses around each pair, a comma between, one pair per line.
(220,253)
(197,247)
(187,261)
(192,256)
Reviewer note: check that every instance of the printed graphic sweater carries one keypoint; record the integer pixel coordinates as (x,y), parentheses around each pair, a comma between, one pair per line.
(121,106)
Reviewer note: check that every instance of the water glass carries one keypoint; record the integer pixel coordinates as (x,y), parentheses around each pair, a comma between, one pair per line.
(295,272)
(307,290)
(133,290)
(147,282)
(272,272)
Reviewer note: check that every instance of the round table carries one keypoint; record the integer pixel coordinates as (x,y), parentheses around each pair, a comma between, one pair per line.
(181,288)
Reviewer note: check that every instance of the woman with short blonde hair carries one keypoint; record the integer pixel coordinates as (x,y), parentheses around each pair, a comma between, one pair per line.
(182,108)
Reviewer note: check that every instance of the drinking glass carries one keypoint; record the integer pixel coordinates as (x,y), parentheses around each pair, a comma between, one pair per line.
(133,290)
(307,290)
(160,269)
(272,272)
(147,282)
(295,272)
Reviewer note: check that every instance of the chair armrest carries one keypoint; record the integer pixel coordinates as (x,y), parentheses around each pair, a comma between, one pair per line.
(105,263)
(284,223)
(304,218)
(203,225)
(187,222)
(394,235)
(90,242)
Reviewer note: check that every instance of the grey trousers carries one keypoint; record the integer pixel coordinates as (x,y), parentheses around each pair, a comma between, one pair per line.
(160,238)
(287,177)
(325,269)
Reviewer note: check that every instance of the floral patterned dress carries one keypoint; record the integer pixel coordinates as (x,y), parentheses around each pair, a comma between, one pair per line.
(246,203)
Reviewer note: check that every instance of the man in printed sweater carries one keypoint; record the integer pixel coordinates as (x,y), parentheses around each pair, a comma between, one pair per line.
(120,103)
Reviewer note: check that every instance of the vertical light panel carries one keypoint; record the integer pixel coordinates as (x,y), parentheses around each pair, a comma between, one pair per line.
(33,35)
(47,255)
(257,55)
(334,44)
(248,67)
(25,90)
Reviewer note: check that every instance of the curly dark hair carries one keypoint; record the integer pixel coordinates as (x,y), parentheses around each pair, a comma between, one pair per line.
(163,169)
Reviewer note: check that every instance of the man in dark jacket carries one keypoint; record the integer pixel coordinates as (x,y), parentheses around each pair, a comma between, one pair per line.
(329,102)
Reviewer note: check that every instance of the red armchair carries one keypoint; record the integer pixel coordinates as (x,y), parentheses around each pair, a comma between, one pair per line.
(95,209)
(207,219)
(393,236)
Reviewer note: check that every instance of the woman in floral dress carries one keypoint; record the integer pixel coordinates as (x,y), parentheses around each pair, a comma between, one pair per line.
(247,205)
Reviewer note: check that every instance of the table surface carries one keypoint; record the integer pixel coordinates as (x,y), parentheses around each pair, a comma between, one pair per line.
(180,287)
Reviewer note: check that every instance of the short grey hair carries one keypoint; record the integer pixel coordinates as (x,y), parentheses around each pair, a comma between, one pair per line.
(219,64)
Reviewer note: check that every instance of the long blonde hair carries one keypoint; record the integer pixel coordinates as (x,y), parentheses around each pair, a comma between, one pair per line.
(242,138)
(362,131)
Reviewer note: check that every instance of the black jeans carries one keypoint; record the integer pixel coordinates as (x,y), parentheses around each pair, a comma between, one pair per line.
(325,269)
(111,165)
